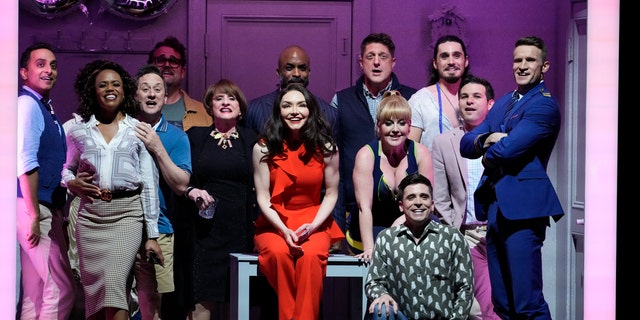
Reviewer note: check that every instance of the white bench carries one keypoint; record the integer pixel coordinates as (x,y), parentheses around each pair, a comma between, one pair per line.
(244,266)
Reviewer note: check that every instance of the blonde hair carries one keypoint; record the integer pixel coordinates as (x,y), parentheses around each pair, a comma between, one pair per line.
(393,105)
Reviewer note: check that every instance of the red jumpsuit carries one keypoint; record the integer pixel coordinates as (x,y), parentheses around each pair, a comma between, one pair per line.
(296,196)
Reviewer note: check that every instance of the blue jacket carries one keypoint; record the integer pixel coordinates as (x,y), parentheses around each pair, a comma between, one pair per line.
(355,128)
(515,176)
(51,157)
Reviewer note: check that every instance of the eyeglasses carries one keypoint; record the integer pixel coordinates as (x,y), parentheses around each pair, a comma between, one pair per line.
(162,60)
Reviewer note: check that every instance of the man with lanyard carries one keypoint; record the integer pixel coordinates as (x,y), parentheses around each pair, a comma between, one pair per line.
(434,108)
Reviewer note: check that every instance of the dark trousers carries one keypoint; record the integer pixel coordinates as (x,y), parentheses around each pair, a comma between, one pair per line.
(514,253)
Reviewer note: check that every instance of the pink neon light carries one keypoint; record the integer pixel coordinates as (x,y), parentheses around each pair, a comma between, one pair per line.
(8,94)
(601,160)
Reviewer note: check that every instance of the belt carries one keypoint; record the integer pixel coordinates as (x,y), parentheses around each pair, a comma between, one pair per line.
(107,195)
(476,227)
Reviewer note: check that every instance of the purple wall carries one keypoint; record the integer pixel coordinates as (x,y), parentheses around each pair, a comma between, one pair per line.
(99,33)
(490,33)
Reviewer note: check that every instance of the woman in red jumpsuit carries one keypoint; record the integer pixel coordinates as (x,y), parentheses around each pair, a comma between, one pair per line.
(293,161)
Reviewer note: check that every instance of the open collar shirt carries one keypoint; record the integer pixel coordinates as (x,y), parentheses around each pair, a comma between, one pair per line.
(374,101)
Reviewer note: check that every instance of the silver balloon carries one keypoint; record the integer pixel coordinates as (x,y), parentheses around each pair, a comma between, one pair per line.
(50,8)
(138,9)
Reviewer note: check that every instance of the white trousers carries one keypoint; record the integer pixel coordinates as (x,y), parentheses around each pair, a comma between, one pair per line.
(47,285)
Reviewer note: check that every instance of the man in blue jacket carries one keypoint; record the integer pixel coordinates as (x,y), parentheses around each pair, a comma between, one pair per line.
(515,193)
(357,107)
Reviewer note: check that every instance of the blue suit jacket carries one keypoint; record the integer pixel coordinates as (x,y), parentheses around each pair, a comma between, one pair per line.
(515,167)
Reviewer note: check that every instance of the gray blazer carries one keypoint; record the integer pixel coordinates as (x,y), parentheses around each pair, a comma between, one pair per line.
(450,175)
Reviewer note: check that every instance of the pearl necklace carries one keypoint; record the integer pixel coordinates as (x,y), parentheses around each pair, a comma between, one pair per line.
(225,138)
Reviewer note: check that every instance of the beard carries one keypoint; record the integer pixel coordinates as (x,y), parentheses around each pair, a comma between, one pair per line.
(451,79)
(284,82)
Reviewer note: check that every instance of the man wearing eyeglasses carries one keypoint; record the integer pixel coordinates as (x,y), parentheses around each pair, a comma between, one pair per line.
(180,109)
(183,112)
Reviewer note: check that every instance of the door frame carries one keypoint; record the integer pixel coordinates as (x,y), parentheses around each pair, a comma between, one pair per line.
(197,13)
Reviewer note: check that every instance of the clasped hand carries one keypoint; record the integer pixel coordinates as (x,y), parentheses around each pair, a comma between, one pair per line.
(295,238)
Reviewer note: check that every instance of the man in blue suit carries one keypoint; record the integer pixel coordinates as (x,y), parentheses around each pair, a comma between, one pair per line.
(515,193)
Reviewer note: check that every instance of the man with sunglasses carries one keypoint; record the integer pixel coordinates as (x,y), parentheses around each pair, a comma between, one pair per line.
(180,110)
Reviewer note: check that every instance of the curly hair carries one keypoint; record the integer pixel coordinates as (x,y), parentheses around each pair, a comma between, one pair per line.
(84,87)
(315,133)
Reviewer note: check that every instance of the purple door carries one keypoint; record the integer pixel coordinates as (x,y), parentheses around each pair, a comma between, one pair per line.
(244,38)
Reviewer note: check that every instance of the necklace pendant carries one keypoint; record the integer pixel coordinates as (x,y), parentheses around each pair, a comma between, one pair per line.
(224,138)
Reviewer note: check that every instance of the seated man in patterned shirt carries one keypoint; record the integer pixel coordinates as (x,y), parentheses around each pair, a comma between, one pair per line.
(420,269)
